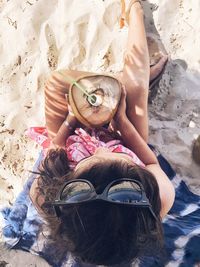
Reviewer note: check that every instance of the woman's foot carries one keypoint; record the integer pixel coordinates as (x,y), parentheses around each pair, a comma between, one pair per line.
(157,69)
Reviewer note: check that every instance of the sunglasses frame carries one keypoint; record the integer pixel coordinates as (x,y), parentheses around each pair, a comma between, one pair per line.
(143,203)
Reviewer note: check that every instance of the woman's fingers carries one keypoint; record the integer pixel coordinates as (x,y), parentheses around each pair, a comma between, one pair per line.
(123,94)
(122,103)
(121,111)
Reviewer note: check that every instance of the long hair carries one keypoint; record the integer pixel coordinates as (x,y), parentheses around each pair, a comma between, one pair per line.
(98,232)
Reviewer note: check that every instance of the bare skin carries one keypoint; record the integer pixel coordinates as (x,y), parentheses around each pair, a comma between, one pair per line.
(132,115)
(56,108)
(157,69)
(135,75)
(162,180)
(136,143)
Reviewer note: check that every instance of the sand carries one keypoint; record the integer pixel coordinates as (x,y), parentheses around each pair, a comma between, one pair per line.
(38,36)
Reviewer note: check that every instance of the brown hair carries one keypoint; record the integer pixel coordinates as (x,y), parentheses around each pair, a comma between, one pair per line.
(102,233)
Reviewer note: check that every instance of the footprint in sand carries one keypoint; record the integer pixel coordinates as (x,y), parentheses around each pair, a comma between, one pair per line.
(110,18)
(82,32)
(52,54)
(109,58)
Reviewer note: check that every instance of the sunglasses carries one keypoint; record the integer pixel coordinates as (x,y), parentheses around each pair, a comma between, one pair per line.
(123,191)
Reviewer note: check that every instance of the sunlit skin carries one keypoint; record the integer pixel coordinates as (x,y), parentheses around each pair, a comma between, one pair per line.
(131,119)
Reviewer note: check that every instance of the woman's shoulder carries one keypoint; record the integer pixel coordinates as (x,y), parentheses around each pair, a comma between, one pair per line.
(166,188)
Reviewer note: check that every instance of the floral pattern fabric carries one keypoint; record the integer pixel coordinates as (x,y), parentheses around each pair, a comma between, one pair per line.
(83,144)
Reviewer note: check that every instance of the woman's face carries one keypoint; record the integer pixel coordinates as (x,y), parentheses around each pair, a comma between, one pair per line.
(103,154)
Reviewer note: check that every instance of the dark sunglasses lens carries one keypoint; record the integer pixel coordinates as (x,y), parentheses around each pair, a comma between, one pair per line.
(125,192)
(76,192)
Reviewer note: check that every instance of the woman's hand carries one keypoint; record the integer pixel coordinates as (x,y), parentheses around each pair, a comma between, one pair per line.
(120,114)
(121,111)
(70,121)
(71,115)
(66,129)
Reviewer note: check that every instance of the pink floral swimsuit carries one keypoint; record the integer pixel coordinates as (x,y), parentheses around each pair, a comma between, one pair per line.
(83,144)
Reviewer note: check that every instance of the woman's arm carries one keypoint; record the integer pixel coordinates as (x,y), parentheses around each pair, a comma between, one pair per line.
(136,70)
(57,86)
(130,136)
(65,130)
(136,143)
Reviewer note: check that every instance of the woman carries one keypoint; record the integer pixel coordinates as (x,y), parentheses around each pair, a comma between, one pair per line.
(112,215)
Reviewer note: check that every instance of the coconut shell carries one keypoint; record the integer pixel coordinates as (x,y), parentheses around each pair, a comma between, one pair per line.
(98,112)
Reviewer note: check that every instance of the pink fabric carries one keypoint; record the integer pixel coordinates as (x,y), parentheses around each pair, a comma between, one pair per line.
(82,144)
(39,135)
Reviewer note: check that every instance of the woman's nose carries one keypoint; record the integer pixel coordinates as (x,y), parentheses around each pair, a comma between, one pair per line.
(101,150)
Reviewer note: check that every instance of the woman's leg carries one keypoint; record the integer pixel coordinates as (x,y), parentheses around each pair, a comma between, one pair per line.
(135,74)
(55,101)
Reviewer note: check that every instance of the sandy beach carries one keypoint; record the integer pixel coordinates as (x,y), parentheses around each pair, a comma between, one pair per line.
(37,37)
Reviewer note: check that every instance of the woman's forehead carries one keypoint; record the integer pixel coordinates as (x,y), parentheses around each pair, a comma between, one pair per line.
(87,163)
(94,159)
(90,162)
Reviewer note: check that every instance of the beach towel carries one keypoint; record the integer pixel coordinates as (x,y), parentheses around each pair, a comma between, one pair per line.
(22,227)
